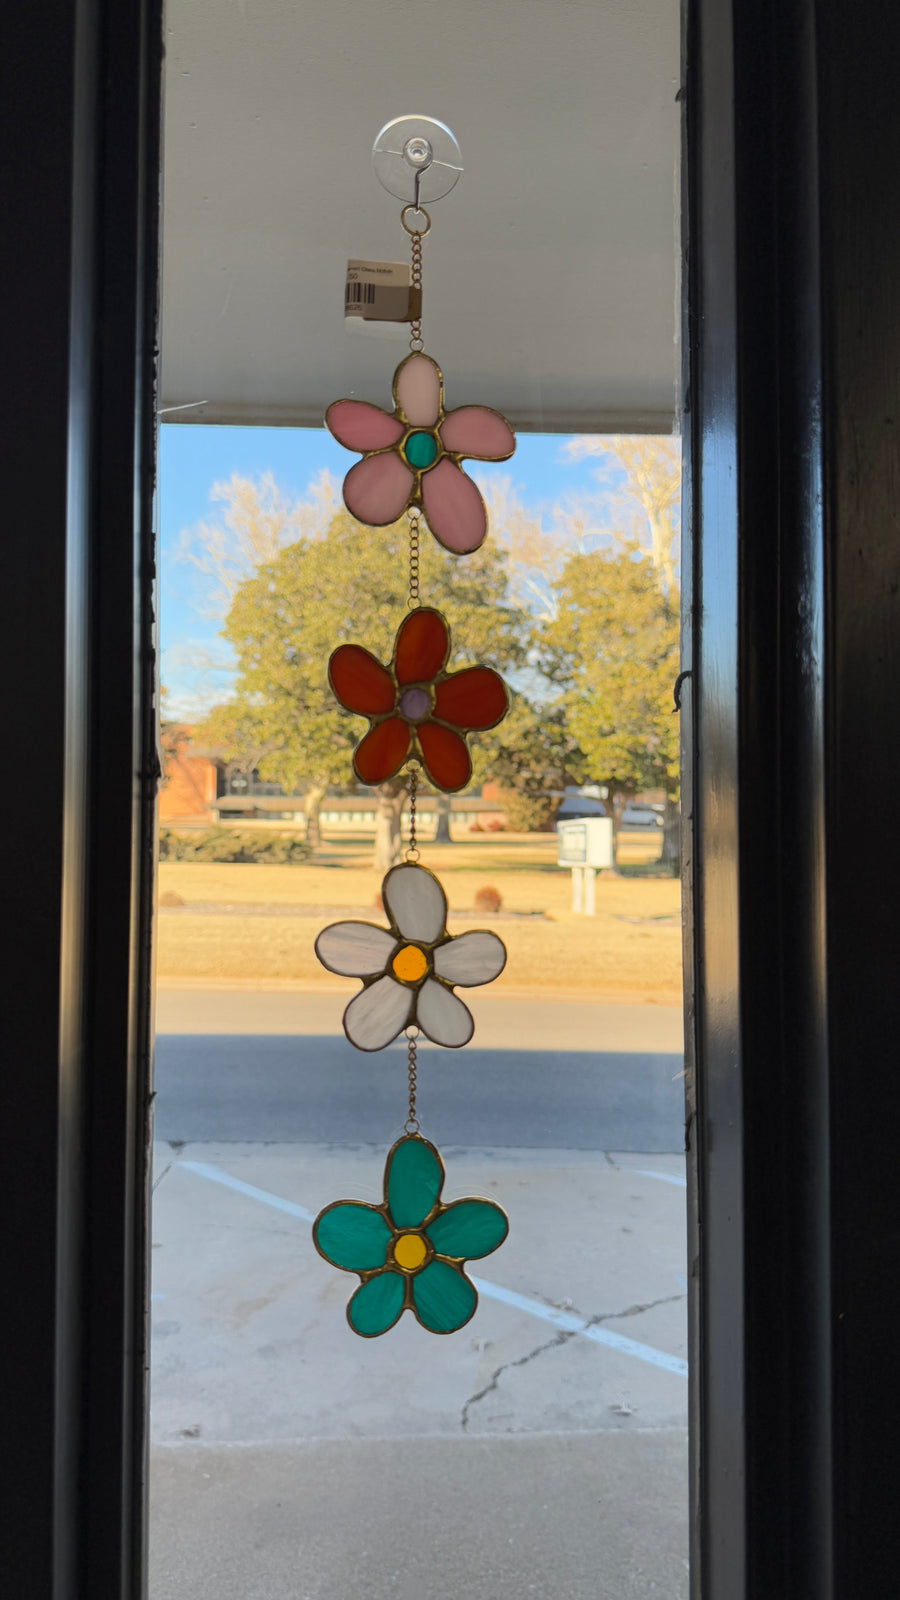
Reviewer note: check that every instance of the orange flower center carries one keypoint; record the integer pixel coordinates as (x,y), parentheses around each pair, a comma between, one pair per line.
(410,964)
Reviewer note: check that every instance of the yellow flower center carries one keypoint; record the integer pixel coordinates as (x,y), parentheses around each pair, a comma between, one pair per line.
(410,1251)
(409,964)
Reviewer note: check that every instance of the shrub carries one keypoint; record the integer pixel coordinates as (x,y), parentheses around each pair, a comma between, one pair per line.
(488,899)
(233,845)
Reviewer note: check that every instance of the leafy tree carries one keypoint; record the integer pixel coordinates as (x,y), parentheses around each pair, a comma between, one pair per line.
(348,585)
(531,757)
(234,728)
(613,649)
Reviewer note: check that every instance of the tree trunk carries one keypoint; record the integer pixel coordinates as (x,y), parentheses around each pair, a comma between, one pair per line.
(442,831)
(388,805)
(670,856)
(618,800)
(312,800)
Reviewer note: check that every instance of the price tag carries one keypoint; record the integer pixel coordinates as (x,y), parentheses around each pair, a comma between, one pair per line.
(379,291)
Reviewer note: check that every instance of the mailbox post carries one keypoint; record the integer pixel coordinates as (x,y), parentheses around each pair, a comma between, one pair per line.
(584,845)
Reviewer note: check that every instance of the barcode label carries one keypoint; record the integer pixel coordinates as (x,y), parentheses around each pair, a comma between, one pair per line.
(378,291)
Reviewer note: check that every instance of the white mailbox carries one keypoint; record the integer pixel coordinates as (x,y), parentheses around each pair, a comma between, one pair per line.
(586,845)
(585,842)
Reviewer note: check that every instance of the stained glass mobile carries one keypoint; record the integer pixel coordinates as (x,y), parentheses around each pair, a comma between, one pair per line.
(409,1252)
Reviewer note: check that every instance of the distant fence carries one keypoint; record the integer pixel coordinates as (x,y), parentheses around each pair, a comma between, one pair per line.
(349,814)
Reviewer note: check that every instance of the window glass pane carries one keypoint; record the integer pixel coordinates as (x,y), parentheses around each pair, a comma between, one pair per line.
(538,1445)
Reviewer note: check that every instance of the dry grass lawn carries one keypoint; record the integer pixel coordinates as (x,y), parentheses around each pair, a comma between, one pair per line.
(255,925)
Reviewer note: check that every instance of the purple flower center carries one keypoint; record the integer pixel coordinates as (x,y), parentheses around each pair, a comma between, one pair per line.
(414,704)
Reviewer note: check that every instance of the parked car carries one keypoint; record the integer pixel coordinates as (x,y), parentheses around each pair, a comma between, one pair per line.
(575,806)
(638,816)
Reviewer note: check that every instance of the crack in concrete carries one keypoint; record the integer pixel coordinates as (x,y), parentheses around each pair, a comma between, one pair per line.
(635,1311)
(560,1338)
(494,1382)
(158,1181)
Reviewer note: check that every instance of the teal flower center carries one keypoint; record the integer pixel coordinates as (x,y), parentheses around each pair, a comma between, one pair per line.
(420,450)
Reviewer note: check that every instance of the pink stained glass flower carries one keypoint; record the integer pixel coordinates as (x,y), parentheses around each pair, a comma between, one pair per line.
(411,456)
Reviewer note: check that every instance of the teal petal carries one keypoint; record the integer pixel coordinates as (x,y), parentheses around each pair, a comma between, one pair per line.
(352,1235)
(376,1304)
(414,1178)
(444,1298)
(468,1229)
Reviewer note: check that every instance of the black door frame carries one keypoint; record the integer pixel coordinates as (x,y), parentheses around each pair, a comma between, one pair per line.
(792,366)
(79,132)
(792,568)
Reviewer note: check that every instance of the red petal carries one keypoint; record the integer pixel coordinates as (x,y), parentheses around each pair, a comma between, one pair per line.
(360,682)
(423,644)
(446,757)
(475,698)
(382,752)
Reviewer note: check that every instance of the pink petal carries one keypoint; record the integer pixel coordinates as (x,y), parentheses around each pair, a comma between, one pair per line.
(360,426)
(377,489)
(477,431)
(453,507)
(417,390)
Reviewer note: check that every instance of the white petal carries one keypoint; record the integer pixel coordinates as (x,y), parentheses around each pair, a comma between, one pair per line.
(416,901)
(376,1016)
(355,949)
(441,1016)
(471,958)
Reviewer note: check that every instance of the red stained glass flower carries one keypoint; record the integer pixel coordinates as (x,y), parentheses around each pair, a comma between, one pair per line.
(411,455)
(414,706)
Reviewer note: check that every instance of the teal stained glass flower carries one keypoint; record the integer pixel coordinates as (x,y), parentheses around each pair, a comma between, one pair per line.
(409,1252)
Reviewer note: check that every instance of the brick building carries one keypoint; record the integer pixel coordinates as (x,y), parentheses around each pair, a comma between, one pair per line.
(191,782)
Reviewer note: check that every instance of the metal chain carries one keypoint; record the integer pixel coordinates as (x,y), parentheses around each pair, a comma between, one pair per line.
(415,331)
(414,531)
(412,1122)
(412,851)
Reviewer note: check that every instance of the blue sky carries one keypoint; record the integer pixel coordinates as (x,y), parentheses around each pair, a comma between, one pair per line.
(194,457)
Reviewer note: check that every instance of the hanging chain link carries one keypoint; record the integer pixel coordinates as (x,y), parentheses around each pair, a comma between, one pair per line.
(414,531)
(416,343)
(412,850)
(415,331)
(412,1035)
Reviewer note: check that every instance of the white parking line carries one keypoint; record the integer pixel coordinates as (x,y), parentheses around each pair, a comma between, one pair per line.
(570,1324)
(216,1175)
(492,1291)
(661,1177)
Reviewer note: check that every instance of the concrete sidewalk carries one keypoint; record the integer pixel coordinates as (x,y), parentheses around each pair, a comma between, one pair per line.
(539,1517)
(500,1021)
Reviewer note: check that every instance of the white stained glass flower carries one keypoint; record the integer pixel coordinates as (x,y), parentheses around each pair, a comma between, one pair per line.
(410,969)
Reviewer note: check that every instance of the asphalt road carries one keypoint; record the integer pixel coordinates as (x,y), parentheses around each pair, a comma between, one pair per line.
(514,1087)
